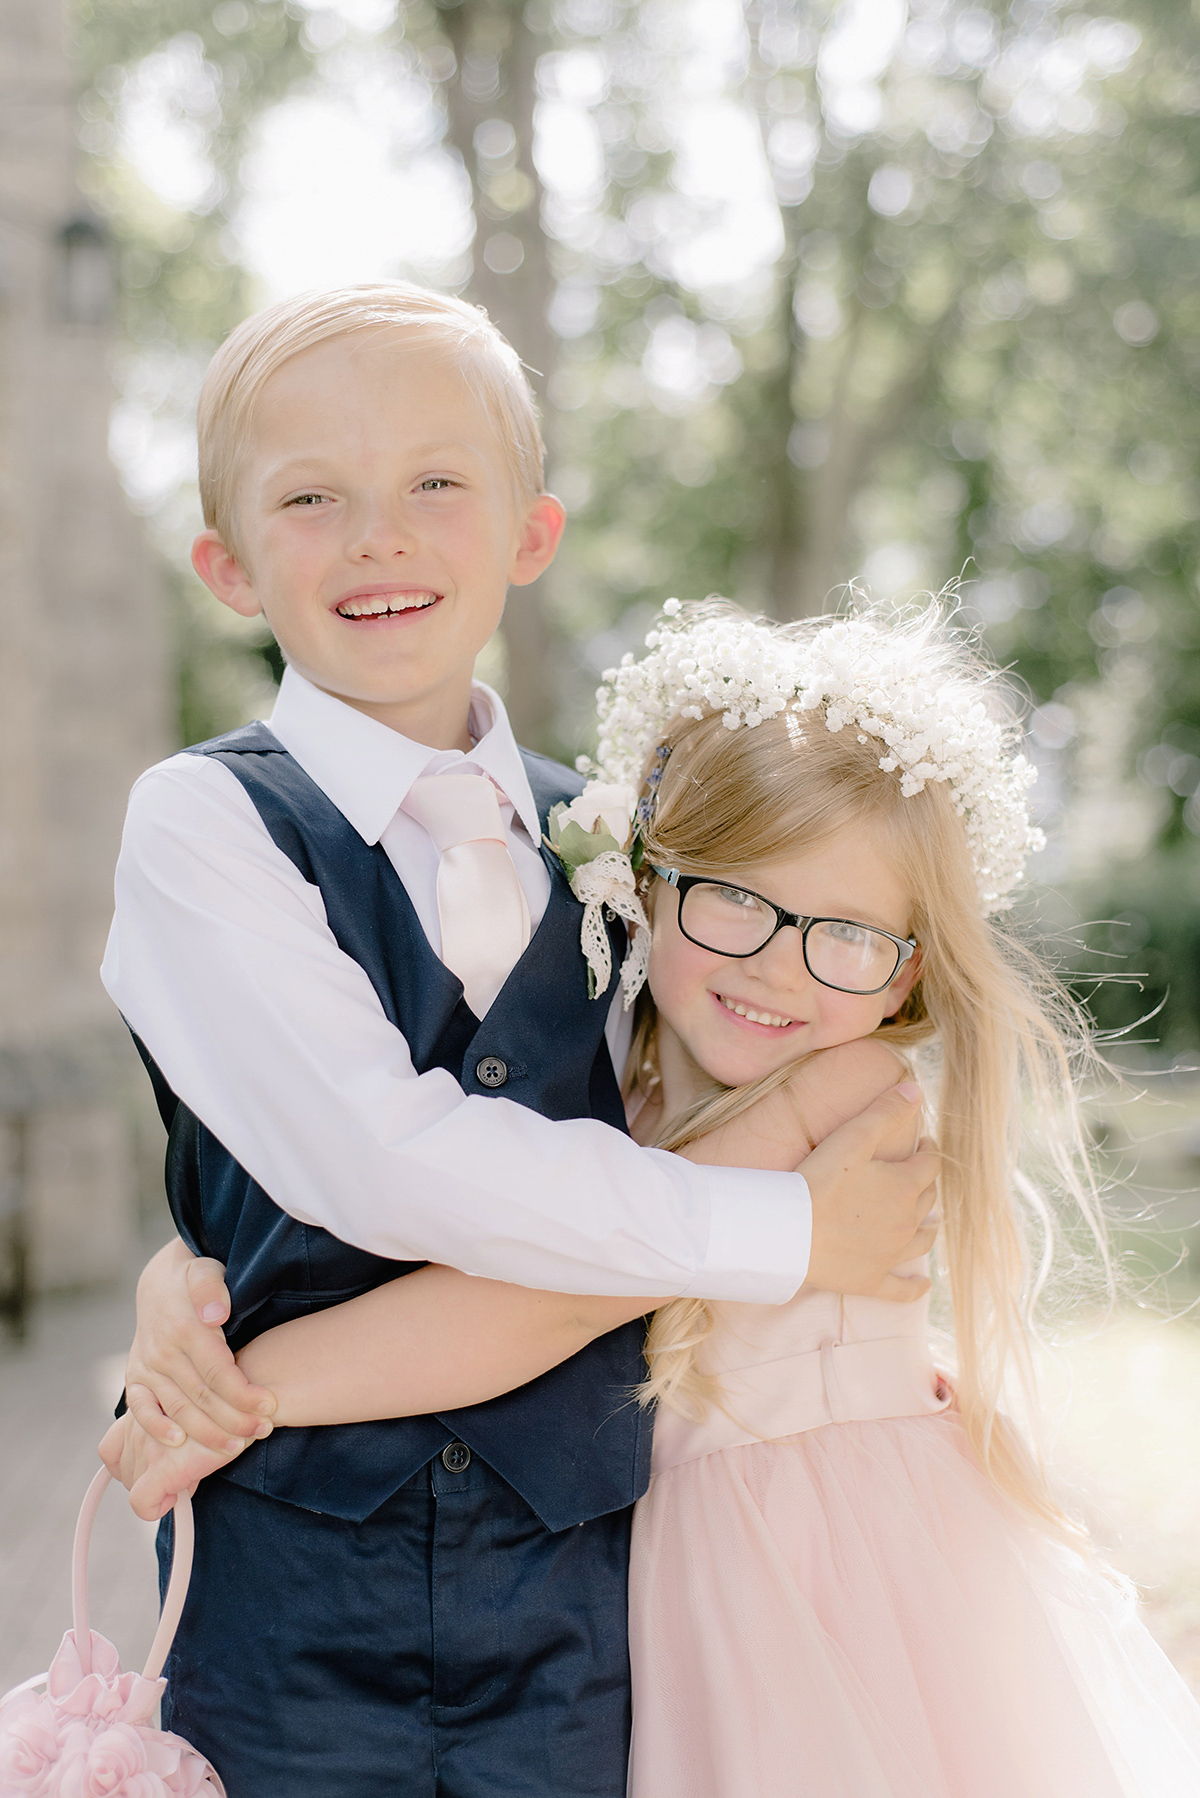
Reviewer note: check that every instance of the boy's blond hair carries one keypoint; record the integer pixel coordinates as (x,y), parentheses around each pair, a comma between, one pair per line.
(262,343)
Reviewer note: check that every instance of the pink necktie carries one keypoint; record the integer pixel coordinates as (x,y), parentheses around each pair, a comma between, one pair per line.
(482,909)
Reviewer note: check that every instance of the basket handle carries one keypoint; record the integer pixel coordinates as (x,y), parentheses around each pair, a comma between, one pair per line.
(181,1573)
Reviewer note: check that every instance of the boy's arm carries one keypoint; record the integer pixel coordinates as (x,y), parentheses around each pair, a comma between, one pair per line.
(436,1339)
(222,960)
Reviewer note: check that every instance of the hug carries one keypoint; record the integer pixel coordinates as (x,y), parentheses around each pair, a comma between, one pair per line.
(563,1418)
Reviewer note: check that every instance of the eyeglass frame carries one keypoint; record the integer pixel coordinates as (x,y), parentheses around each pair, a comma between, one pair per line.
(906,947)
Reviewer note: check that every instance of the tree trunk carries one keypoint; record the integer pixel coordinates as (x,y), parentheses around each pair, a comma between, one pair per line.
(495,84)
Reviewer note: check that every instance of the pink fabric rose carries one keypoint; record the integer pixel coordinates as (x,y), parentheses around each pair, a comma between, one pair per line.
(89,1735)
(110,1762)
(28,1745)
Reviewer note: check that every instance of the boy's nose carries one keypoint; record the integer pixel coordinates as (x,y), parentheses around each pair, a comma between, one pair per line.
(378,534)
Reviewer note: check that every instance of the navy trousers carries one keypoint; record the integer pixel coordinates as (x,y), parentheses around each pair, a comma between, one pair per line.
(448,1647)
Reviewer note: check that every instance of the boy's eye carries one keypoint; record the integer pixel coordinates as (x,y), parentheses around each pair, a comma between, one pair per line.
(435,483)
(306,499)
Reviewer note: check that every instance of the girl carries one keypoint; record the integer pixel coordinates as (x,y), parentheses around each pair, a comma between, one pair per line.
(850,1575)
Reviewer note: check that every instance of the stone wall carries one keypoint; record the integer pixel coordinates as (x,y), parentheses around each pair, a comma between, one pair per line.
(85,690)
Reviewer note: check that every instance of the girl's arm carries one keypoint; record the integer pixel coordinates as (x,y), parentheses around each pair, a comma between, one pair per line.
(438,1340)
(825,1091)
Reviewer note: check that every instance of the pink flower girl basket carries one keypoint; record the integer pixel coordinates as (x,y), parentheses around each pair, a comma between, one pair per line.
(89,1734)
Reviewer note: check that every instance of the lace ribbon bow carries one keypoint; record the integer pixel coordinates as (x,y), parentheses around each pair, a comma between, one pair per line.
(608,881)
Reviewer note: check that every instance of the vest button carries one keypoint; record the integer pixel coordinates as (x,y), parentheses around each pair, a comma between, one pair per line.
(456,1457)
(491,1071)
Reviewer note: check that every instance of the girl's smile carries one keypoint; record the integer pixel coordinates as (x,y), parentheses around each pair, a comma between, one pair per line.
(736,1019)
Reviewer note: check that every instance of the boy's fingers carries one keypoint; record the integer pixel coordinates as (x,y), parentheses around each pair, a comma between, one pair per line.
(189,1420)
(854,1143)
(921,1173)
(145,1409)
(903,1289)
(200,1364)
(207,1290)
(212,1379)
(216,1385)
(922,1243)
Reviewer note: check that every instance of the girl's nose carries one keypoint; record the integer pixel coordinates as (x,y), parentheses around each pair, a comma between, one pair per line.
(782,961)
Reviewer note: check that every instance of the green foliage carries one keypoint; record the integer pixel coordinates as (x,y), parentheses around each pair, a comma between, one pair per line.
(977,349)
(1138,958)
(181,289)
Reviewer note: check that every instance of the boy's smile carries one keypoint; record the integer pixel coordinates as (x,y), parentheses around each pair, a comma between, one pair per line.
(378,528)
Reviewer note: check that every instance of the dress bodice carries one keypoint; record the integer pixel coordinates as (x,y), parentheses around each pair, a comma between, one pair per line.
(821,1358)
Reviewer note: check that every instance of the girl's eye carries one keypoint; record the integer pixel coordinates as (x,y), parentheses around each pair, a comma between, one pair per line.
(436,483)
(739,897)
(307,499)
(854,934)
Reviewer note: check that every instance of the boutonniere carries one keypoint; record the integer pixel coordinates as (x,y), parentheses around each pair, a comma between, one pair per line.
(596,840)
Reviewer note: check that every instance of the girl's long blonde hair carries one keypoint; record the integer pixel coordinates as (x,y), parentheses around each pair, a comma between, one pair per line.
(1009,1042)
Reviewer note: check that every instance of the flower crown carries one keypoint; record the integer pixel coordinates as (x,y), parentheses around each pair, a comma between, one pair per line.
(906,681)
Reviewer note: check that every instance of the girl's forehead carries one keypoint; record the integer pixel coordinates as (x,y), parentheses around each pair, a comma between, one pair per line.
(851,872)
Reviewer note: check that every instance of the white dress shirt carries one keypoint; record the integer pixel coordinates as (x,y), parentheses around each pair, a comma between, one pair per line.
(221,959)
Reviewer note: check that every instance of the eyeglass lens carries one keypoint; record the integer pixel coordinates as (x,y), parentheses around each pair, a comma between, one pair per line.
(730,921)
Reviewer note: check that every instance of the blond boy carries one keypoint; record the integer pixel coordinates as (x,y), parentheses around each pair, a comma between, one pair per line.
(356,979)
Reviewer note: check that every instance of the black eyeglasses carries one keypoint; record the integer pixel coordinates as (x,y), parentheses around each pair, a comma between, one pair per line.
(839,952)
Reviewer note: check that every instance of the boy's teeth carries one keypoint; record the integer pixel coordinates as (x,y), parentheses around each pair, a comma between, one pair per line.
(383,603)
(756,1017)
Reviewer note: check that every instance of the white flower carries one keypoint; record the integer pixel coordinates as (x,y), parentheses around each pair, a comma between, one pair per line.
(612,802)
(908,683)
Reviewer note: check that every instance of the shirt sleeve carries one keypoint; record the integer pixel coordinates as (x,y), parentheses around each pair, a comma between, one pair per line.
(221,959)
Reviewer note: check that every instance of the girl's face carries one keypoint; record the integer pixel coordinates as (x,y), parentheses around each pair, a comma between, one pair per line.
(741,1019)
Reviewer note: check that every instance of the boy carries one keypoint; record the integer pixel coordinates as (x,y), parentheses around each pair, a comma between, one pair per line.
(334,940)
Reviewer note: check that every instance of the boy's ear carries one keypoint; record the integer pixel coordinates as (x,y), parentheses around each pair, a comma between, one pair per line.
(224,575)
(540,537)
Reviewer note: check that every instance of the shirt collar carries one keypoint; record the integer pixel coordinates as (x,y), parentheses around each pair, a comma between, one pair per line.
(366,769)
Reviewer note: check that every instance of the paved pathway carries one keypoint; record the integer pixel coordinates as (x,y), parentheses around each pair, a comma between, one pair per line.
(57,1390)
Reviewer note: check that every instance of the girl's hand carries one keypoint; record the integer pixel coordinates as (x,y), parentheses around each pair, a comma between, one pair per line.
(153,1475)
(181,1380)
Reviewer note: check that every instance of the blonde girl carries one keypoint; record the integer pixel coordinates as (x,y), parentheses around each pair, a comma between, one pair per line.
(850,1577)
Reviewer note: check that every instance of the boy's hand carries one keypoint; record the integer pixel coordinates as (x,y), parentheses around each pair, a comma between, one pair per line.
(181,1379)
(154,1475)
(871,1215)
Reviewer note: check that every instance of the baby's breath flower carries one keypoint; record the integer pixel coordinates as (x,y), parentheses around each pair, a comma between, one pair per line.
(904,681)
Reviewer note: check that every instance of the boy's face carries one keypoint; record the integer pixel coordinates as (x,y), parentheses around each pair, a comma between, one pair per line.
(378,530)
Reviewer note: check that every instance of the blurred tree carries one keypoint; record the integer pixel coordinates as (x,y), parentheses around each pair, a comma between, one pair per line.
(848,288)
(212,70)
(490,90)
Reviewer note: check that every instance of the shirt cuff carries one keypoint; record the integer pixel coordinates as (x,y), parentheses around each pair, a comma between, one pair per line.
(760,1237)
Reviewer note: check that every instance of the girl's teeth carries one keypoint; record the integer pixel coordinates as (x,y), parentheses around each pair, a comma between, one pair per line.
(756,1017)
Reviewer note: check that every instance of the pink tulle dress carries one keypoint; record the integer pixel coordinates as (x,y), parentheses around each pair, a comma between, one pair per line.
(850,1610)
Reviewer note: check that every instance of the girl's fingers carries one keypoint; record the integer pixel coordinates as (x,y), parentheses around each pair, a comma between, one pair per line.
(112,1446)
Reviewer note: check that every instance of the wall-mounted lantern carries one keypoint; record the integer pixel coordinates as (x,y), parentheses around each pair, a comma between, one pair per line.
(86,276)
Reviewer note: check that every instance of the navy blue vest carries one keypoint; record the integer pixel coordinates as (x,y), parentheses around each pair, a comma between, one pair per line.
(572,1443)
